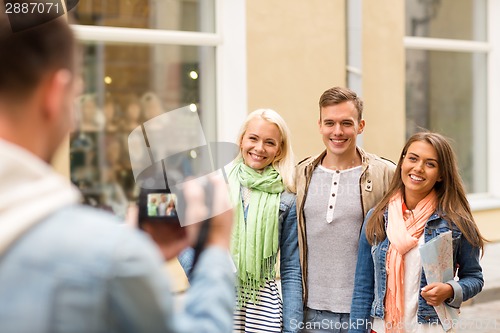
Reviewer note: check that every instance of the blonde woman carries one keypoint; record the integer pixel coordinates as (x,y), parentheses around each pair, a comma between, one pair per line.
(261,182)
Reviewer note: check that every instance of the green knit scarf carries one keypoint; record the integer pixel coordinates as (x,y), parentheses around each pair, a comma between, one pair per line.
(254,242)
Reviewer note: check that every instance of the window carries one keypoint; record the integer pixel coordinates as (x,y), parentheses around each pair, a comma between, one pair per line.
(143,58)
(446,92)
(450,85)
(176,15)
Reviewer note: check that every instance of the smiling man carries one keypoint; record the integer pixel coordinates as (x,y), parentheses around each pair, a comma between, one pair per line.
(335,190)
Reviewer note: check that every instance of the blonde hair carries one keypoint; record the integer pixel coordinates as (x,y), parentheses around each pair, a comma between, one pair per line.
(284,161)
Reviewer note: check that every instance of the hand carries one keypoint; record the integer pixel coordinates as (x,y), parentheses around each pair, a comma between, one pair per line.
(132,215)
(172,238)
(436,293)
(222,223)
(222,214)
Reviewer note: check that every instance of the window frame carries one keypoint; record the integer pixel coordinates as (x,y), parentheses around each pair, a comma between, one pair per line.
(229,40)
(490,199)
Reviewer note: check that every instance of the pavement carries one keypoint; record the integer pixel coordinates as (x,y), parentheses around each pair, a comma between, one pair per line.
(480,318)
(481,314)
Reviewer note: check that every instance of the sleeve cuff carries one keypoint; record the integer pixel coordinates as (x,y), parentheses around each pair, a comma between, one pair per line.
(215,261)
(458,296)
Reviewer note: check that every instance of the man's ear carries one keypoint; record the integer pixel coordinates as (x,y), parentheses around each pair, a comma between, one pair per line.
(171,238)
(361,126)
(56,88)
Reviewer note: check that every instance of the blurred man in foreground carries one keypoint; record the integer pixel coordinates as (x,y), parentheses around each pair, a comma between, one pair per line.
(65,267)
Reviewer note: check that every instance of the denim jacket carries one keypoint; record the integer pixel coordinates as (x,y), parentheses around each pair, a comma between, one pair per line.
(79,271)
(373,183)
(370,279)
(291,278)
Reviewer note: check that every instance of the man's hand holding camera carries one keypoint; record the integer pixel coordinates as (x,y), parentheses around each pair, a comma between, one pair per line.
(172,238)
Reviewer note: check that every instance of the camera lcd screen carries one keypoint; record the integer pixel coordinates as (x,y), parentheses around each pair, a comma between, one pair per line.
(158,205)
(161,205)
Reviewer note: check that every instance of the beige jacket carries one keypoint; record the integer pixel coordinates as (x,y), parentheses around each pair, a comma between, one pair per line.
(374,181)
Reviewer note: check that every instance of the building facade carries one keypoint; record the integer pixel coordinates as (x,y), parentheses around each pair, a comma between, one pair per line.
(430,64)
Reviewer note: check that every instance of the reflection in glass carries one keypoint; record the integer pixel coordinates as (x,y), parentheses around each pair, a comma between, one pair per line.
(125,86)
(450,19)
(178,15)
(446,93)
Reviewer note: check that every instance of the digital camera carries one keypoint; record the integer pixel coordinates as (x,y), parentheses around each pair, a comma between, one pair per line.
(158,205)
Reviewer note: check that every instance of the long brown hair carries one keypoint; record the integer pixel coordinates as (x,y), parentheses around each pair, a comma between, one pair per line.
(452,202)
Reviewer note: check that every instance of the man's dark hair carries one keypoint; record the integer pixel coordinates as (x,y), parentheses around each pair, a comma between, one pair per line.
(26,56)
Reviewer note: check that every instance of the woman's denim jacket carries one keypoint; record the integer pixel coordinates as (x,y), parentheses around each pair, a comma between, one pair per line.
(291,277)
(370,279)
